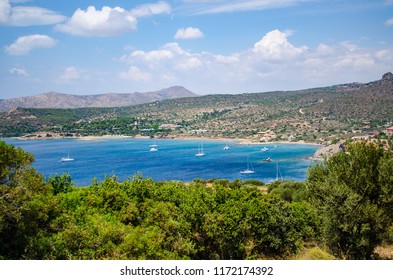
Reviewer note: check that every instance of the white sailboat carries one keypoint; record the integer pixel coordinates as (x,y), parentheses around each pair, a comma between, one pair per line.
(264,149)
(67,158)
(201,151)
(153,148)
(278,172)
(268,159)
(250,169)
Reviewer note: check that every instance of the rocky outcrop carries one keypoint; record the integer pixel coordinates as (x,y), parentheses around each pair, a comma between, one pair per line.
(387,79)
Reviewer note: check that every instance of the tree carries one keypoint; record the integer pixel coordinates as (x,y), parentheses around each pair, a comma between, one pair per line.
(12,162)
(60,183)
(353,191)
(25,202)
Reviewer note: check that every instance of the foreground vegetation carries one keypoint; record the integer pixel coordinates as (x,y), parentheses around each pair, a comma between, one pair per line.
(344,207)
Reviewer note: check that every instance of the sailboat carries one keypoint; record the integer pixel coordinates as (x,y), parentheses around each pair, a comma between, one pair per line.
(278,172)
(67,158)
(250,169)
(201,151)
(153,148)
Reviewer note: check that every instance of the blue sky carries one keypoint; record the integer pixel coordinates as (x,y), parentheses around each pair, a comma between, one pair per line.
(209,47)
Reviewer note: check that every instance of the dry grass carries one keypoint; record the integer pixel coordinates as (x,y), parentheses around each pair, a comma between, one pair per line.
(314,253)
(384,252)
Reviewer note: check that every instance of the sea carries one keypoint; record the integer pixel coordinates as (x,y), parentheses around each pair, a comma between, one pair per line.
(174,159)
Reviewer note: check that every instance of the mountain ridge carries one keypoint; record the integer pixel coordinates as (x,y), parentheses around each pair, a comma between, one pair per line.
(71,101)
(313,115)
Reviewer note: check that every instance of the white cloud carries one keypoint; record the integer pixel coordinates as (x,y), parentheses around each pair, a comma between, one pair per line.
(170,56)
(153,55)
(135,74)
(70,74)
(19,71)
(188,33)
(385,56)
(105,22)
(145,10)
(355,61)
(389,22)
(5,10)
(349,46)
(109,21)
(175,48)
(27,15)
(324,50)
(273,63)
(25,44)
(227,59)
(189,63)
(228,6)
(275,46)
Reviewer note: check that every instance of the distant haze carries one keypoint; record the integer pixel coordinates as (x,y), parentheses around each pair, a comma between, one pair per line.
(63,101)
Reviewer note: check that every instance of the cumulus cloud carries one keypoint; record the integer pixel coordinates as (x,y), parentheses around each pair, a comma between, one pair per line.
(227,59)
(135,74)
(19,71)
(27,15)
(189,63)
(261,67)
(188,33)
(70,74)
(275,46)
(105,22)
(170,55)
(154,55)
(109,21)
(23,45)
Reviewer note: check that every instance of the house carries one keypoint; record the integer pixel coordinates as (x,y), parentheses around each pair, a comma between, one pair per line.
(389,131)
(373,133)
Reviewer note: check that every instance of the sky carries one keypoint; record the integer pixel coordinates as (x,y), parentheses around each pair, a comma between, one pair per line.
(208,46)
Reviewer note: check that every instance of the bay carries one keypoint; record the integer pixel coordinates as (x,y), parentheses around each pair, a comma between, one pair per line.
(174,160)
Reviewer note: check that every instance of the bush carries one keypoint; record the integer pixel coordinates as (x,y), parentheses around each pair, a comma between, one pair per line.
(353,191)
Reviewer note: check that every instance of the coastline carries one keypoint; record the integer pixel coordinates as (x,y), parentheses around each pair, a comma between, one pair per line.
(239,141)
(318,155)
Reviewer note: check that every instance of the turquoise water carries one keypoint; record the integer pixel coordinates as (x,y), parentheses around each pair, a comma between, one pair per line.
(174,160)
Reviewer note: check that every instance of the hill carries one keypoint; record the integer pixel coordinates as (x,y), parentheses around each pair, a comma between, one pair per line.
(64,101)
(314,115)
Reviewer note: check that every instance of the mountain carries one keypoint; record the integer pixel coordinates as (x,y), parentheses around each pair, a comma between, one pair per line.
(315,115)
(65,101)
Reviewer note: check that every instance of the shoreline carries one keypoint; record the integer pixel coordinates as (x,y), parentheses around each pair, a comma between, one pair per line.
(239,141)
(318,155)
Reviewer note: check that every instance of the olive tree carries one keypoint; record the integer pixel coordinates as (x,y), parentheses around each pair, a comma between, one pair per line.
(353,190)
